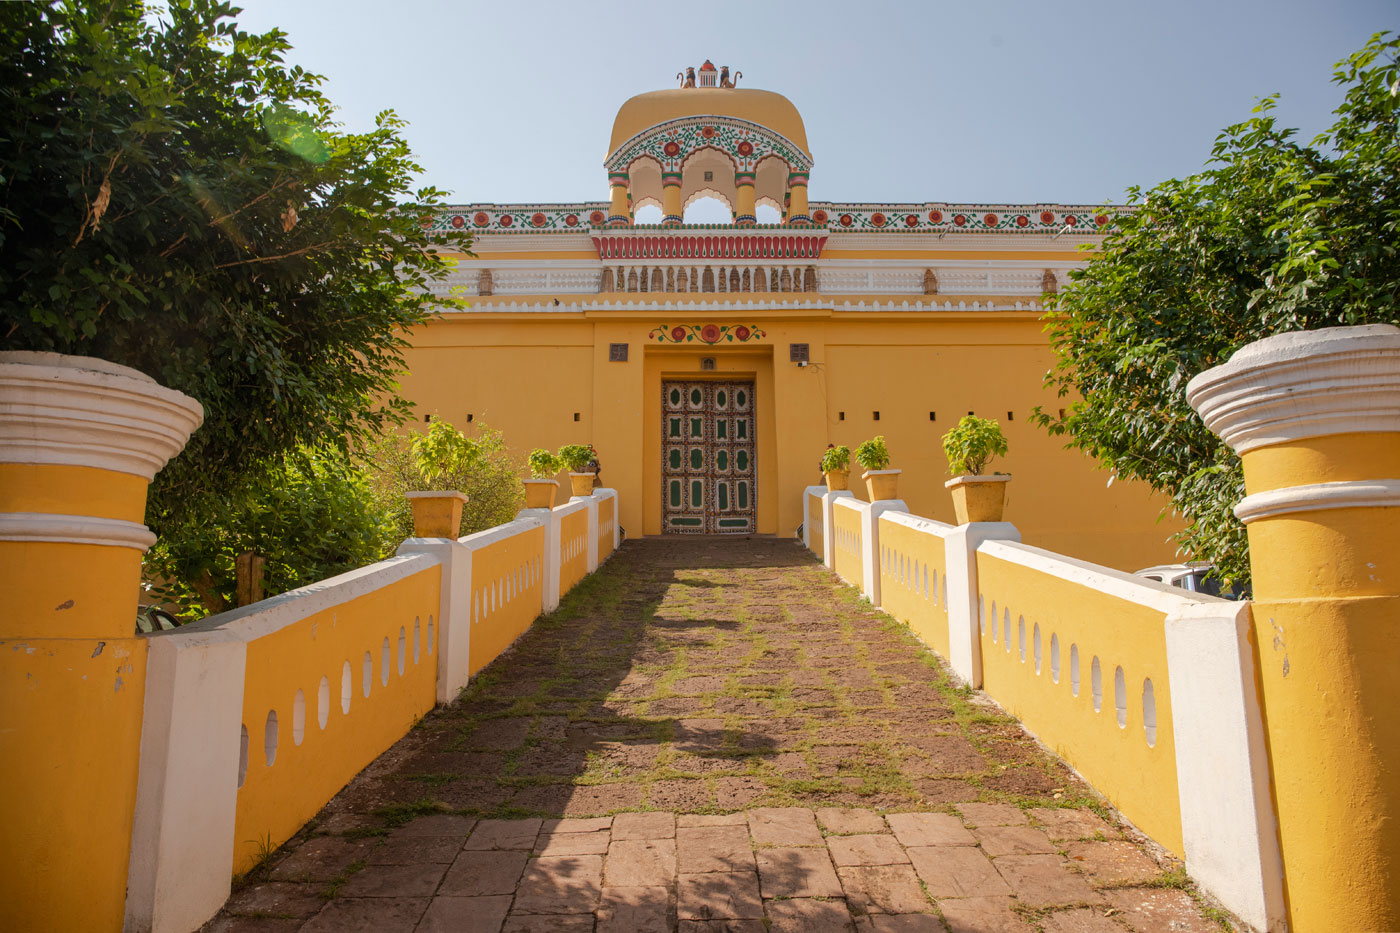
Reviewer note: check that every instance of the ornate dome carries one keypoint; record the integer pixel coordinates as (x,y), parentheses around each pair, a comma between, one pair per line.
(766,108)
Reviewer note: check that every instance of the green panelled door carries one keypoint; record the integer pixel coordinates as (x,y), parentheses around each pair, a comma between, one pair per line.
(707,461)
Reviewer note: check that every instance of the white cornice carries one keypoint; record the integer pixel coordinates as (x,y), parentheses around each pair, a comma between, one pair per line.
(48,528)
(1316,497)
(82,411)
(1337,380)
(745,306)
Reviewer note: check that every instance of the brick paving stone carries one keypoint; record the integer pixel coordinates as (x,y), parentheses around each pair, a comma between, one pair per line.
(627,826)
(903,923)
(504,834)
(1062,823)
(957,871)
(278,898)
(572,843)
(804,915)
(719,896)
(1044,880)
(321,858)
(596,824)
(484,872)
(866,850)
(406,850)
(438,824)
(883,889)
(845,821)
(635,910)
(227,923)
(687,820)
(784,826)
(395,881)
(722,926)
(1013,840)
(526,923)
(640,863)
(1160,910)
(1112,863)
(1079,920)
(929,829)
(992,814)
(368,915)
(560,884)
(465,914)
(713,848)
(797,873)
(982,915)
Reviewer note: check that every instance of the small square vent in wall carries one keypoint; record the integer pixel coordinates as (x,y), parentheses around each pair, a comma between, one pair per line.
(798,352)
(707,363)
(617,353)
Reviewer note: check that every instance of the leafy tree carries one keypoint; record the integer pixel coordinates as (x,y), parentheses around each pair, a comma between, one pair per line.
(1274,236)
(175,198)
(311,516)
(481,468)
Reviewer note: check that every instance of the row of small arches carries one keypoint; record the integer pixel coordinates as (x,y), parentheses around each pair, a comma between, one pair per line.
(708,279)
(388,659)
(915,576)
(504,589)
(1120,682)
(573,548)
(848,540)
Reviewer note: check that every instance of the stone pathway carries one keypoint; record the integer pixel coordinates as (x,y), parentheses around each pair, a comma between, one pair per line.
(716,735)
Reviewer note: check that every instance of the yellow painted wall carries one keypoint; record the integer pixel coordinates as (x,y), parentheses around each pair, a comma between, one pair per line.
(846,550)
(573,550)
(507,593)
(529,373)
(914,581)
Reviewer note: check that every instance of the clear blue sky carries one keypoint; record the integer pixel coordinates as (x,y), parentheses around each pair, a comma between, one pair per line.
(946,101)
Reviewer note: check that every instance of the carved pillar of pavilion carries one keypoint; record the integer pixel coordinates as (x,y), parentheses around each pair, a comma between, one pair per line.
(745,211)
(620,214)
(671,199)
(797,199)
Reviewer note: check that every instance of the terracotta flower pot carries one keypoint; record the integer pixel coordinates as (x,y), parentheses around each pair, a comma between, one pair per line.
(838,479)
(882,484)
(436,513)
(540,493)
(978,498)
(582,483)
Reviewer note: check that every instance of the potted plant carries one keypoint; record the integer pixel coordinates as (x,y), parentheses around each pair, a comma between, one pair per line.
(540,491)
(836,465)
(880,480)
(576,458)
(970,446)
(437,513)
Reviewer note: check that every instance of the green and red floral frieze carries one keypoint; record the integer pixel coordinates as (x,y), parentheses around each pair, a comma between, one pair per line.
(706,333)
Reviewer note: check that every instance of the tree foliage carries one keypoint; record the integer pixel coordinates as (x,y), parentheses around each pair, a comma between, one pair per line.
(175,198)
(1274,236)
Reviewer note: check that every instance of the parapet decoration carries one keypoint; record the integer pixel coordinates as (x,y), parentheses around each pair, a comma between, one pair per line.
(708,77)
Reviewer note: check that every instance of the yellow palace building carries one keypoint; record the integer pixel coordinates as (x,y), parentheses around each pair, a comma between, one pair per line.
(710,365)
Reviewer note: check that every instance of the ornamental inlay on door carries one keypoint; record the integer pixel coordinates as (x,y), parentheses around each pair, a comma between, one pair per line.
(707,457)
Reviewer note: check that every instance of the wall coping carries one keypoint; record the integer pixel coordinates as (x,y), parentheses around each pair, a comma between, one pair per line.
(930,525)
(1284,388)
(498,533)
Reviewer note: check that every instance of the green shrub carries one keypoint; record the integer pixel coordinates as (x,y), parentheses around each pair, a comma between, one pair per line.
(971,445)
(873,454)
(442,451)
(576,457)
(543,464)
(836,458)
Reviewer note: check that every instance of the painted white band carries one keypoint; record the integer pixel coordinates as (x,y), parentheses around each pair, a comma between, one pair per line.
(1316,497)
(49,528)
(79,411)
(1337,380)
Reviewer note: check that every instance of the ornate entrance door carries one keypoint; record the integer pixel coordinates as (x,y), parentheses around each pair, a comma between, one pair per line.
(707,457)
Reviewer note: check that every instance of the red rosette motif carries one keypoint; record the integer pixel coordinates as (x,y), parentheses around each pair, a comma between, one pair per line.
(847,220)
(672,149)
(459,221)
(911,220)
(708,132)
(1022,220)
(960,220)
(989,219)
(571,220)
(745,148)
(818,217)
(596,217)
(1047,217)
(742,332)
(425,221)
(537,219)
(878,219)
(935,217)
(507,220)
(1101,220)
(480,219)
(678,334)
(1071,221)
(709,333)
